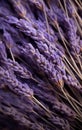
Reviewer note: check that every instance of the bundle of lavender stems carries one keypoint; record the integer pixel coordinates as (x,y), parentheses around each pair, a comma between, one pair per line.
(40,64)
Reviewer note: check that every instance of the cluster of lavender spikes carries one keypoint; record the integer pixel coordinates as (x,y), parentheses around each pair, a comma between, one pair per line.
(41,60)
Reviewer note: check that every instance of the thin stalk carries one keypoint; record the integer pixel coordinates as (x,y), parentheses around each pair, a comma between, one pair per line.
(77,117)
(34,79)
(27,19)
(66,8)
(79,110)
(79,61)
(80,20)
(47,24)
(71,102)
(79,4)
(40,104)
(74,100)
(68,69)
(78,73)
(61,6)
(28,65)
(12,55)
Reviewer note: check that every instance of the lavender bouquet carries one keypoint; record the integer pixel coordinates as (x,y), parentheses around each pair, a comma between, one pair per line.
(40,64)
